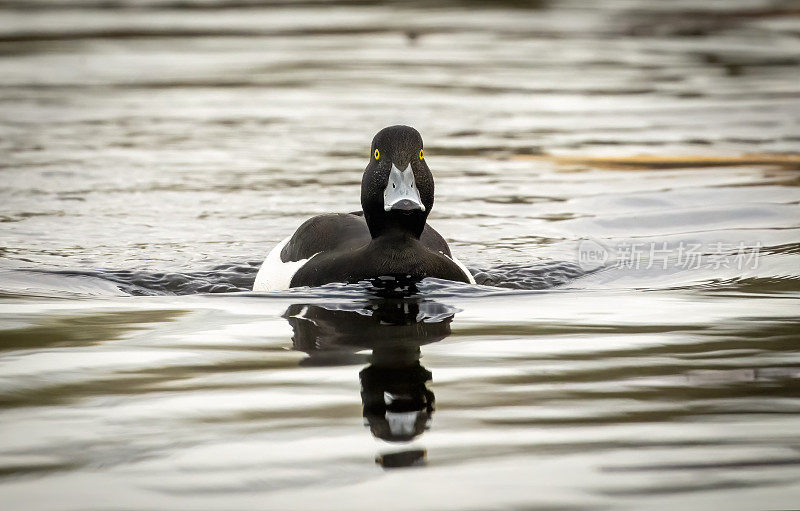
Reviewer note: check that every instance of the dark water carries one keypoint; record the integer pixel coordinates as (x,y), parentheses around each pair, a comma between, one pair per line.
(621,177)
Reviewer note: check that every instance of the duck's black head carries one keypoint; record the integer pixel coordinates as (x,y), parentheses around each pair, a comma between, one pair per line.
(397,187)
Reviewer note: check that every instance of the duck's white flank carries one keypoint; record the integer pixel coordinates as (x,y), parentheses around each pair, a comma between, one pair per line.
(274,274)
(463,268)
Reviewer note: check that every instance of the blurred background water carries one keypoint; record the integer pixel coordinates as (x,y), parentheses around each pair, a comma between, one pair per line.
(620,175)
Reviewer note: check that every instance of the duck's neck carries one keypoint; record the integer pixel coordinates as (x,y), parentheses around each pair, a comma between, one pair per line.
(394,224)
(394,240)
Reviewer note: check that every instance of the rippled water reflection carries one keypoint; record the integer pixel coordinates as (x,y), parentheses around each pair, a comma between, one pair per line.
(621,178)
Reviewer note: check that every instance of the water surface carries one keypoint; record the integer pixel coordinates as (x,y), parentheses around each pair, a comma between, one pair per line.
(621,178)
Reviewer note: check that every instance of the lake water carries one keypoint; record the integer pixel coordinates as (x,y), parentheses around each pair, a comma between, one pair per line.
(621,176)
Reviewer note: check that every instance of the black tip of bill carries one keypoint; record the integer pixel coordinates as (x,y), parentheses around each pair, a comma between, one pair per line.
(406,205)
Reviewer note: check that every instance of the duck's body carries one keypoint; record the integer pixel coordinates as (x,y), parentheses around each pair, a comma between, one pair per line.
(389,238)
(337,247)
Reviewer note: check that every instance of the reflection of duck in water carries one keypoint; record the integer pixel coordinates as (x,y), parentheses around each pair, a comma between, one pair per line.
(397,402)
(398,406)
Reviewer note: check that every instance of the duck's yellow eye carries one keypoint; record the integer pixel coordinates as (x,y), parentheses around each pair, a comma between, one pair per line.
(377,154)
(421,154)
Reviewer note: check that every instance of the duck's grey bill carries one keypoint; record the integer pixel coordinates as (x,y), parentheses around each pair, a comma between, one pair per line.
(401,191)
